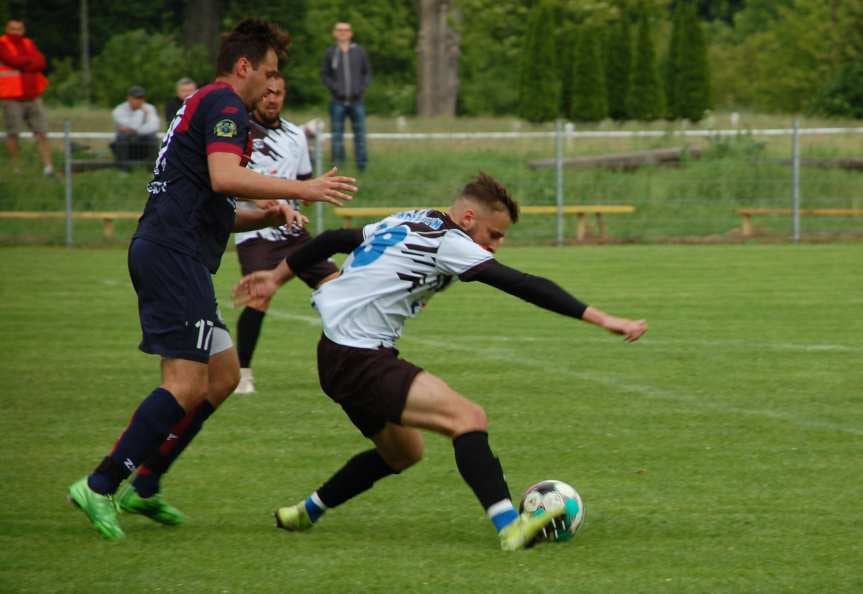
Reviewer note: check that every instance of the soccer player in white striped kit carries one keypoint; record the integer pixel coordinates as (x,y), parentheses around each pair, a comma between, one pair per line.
(395,266)
(279,149)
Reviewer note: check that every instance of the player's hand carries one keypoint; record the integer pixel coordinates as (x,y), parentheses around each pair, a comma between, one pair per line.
(257,287)
(330,187)
(631,330)
(283,214)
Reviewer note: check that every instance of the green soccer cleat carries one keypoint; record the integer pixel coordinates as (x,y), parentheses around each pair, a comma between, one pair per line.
(99,509)
(155,508)
(521,533)
(294,518)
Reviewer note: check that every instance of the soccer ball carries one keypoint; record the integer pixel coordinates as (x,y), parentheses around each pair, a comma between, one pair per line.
(552,495)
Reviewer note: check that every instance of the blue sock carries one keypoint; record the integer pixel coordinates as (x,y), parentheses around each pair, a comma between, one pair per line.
(502,514)
(148,428)
(315,507)
(147,481)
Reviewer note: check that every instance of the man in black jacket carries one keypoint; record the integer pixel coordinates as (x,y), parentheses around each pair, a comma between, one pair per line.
(347,73)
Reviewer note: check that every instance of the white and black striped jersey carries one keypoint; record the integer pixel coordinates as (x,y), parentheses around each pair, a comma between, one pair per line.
(278,152)
(403,260)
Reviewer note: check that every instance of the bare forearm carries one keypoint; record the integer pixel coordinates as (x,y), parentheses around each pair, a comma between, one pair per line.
(631,330)
(245,183)
(248,219)
(598,317)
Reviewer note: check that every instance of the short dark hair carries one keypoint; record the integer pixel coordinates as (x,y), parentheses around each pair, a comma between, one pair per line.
(491,193)
(251,39)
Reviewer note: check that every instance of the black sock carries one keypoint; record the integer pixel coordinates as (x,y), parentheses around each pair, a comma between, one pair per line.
(150,473)
(248,330)
(149,427)
(355,477)
(479,468)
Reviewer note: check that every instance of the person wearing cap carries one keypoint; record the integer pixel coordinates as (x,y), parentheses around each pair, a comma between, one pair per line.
(136,123)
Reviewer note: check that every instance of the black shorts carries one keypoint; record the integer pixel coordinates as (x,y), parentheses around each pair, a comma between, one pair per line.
(371,385)
(263,254)
(176,302)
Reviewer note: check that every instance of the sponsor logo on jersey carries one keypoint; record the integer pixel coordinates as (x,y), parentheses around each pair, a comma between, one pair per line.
(157,187)
(226,128)
(420,217)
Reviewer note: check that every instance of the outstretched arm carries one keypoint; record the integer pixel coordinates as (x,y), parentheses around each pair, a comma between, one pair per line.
(548,295)
(227,176)
(264,284)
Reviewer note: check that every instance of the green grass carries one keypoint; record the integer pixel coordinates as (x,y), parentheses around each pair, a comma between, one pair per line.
(719,454)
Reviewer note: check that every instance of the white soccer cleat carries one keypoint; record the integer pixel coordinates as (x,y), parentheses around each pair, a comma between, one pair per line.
(247,382)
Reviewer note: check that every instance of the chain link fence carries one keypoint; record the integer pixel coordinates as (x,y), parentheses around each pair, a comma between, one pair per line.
(774,184)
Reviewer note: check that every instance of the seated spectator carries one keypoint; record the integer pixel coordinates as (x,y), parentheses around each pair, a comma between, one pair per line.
(185,87)
(137,123)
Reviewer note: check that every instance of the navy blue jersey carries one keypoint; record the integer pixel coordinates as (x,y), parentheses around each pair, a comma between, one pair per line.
(183,212)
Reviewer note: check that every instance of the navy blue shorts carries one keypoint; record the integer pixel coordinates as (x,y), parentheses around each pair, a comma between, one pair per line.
(176,302)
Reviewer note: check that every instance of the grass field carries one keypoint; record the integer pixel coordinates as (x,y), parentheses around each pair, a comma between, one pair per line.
(721,453)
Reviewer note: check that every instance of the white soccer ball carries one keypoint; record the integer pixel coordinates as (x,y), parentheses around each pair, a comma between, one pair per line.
(552,496)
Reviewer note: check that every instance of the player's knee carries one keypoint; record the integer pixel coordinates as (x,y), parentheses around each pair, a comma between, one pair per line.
(188,394)
(471,417)
(224,384)
(412,455)
(406,458)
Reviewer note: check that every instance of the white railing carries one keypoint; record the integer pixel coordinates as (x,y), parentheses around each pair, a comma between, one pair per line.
(563,131)
(567,133)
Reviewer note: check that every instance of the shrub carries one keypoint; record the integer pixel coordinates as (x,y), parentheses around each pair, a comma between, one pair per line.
(843,96)
(152,60)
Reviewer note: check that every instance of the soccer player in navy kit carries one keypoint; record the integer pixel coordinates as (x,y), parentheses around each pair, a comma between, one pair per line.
(395,267)
(179,242)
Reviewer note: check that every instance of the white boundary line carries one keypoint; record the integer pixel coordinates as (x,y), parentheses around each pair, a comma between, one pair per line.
(609,380)
(640,389)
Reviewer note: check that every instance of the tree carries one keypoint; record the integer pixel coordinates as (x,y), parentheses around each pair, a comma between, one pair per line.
(674,62)
(645,100)
(618,60)
(539,85)
(843,97)
(786,66)
(589,99)
(202,25)
(696,85)
(157,62)
(438,49)
(493,33)
(686,82)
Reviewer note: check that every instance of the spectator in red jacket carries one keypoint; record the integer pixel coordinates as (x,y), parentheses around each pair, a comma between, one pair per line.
(21,86)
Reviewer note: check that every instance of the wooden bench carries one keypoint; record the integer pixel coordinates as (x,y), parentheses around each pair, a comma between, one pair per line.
(106,217)
(581,213)
(748,213)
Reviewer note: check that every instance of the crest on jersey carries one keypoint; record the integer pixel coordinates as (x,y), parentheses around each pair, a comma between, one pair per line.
(226,128)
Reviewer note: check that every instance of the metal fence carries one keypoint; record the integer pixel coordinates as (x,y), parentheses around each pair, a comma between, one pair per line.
(683,184)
